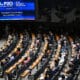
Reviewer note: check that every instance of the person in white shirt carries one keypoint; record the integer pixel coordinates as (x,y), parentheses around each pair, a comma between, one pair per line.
(11,58)
(41,77)
(60,78)
(61,61)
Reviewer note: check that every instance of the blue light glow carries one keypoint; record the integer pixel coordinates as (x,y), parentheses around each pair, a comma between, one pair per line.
(17,10)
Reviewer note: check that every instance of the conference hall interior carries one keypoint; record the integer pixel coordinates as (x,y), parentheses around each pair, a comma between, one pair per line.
(40,40)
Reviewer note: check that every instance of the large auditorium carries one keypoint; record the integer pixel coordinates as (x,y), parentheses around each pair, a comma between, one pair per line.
(39,40)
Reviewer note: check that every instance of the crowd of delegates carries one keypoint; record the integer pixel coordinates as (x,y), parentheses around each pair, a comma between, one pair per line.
(73,64)
(7,59)
(57,60)
(55,57)
(6,44)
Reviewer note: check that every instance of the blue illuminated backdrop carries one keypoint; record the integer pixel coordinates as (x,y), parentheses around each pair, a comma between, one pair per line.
(17,10)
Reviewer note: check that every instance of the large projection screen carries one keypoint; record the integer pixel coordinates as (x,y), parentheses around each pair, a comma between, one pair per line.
(17,9)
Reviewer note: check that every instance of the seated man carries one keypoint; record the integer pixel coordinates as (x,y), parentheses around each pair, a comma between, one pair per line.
(48,72)
(16,53)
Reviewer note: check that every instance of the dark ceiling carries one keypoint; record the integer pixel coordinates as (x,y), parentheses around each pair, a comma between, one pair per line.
(54,3)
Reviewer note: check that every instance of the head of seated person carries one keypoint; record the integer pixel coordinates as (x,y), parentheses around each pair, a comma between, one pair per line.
(78,44)
(48,67)
(8,44)
(18,51)
(71,64)
(27,59)
(10,41)
(5,61)
(61,77)
(74,46)
(56,62)
(60,55)
(65,71)
(72,58)
(48,52)
(52,64)
(37,42)
(1,49)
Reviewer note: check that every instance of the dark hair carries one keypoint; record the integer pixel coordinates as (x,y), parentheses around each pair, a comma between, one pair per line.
(18,49)
(63,77)
(26,58)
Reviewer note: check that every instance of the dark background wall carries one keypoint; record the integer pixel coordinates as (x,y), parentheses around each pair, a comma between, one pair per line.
(19,26)
(54,3)
(59,10)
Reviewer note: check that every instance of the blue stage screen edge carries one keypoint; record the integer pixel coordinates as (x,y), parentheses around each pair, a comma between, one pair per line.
(12,11)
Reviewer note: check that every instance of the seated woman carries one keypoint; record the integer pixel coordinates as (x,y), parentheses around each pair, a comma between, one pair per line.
(26,61)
